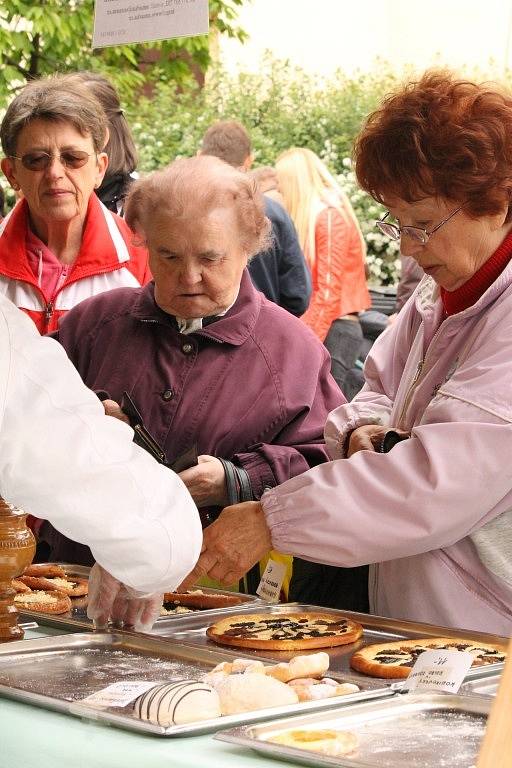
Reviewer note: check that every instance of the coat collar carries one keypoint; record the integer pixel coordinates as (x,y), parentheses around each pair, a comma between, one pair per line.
(234,327)
(102,250)
(429,304)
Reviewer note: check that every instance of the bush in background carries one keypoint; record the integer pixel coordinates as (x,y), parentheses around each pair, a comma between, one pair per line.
(281,107)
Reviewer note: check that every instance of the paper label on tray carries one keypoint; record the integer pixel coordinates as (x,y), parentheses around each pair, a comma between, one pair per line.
(439,670)
(119,694)
(271,582)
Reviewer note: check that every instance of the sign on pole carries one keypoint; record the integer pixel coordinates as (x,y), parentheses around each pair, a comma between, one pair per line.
(117,22)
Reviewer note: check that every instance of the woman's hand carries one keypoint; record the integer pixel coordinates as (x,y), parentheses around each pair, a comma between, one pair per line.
(237,540)
(367,438)
(206,482)
(114,409)
(370,438)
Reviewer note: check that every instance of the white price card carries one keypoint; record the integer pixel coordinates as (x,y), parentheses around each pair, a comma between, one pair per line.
(271,582)
(439,670)
(119,694)
(117,22)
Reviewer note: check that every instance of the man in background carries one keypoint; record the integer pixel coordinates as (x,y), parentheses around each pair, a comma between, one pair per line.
(280,273)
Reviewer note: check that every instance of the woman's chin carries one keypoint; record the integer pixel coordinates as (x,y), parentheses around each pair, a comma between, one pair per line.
(61,211)
(190,309)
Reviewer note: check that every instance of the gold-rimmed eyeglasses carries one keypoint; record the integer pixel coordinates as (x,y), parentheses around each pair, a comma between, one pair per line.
(40,161)
(418,234)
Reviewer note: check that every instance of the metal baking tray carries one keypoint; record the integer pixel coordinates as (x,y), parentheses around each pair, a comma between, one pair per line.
(409,731)
(77,617)
(484,686)
(58,672)
(191,629)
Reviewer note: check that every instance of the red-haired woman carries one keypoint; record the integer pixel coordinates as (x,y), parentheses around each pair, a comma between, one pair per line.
(434,515)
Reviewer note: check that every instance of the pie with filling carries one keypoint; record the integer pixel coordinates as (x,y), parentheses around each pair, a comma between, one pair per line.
(51,601)
(285,632)
(395,660)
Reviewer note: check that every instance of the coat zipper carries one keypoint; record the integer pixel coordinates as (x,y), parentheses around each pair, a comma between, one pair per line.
(48,313)
(419,369)
(410,391)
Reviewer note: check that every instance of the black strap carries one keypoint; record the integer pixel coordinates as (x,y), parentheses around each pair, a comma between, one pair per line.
(231,481)
(238,484)
(244,483)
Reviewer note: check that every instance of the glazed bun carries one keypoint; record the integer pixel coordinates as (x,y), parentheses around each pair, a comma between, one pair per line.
(251,691)
(178,703)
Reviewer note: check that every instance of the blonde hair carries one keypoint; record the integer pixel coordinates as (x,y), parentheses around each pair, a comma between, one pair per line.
(308,187)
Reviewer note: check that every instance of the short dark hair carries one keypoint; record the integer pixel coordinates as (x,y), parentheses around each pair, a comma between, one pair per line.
(56,99)
(120,148)
(440,136)
(228,140)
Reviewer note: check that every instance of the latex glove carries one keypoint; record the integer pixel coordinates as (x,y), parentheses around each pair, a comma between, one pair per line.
(110,599)
(231,548)
(206,482)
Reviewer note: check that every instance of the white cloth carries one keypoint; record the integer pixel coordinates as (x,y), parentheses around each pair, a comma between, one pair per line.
(63,460)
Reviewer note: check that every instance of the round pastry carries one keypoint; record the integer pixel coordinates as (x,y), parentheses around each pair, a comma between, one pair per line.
(327,742)
(196,598)
(178,703)
(19,586)
(396,659)
(251,691)
(285,632)
(50,601)
(46,570)
(314,665)
(73,586)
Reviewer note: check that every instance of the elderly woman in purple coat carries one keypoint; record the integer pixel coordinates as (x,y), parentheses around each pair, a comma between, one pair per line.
(209,363)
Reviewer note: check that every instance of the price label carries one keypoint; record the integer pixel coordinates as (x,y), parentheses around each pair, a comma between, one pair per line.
(271,582)
(119,694)
(439,670)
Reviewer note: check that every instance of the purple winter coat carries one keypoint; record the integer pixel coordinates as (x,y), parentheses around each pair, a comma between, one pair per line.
(253,387)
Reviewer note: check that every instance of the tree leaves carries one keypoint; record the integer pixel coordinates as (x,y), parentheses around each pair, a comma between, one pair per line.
(41,37)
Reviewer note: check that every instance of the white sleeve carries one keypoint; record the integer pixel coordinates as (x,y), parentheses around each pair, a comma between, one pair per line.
(63,460)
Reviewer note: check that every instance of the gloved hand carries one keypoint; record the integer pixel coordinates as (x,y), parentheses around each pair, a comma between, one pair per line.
(110,599)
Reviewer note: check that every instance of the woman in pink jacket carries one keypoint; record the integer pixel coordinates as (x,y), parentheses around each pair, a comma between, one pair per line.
(434,515)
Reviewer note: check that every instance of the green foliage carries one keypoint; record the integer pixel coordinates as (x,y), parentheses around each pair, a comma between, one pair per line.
(281,106)
(41,37)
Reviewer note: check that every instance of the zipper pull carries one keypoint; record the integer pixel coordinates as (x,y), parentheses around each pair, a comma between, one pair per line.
(48,312)
(418,372)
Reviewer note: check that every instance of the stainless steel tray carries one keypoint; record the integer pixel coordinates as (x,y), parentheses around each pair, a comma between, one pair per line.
(409,731)
(485,686)
(77,617)
(191,629)
(59,672)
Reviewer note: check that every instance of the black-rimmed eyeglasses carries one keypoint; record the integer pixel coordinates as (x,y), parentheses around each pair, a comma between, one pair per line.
(419,235)
(40,161)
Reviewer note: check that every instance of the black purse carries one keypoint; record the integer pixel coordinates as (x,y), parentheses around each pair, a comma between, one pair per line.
(143,438)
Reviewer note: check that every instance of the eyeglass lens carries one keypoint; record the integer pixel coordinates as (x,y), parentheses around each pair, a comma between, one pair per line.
(395,232)
(39,161)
